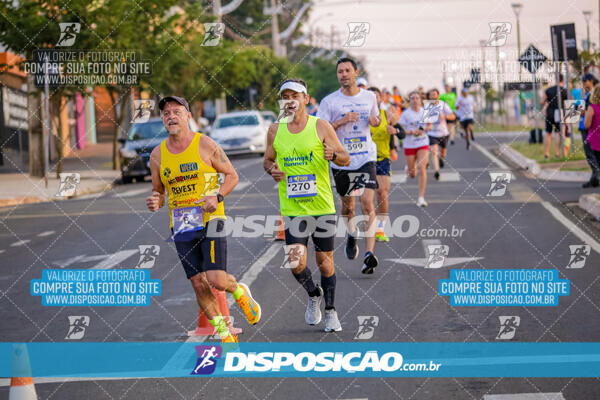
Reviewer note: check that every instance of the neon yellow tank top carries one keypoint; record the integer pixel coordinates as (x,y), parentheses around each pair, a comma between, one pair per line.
(306,189)
(187,179)
(381,137)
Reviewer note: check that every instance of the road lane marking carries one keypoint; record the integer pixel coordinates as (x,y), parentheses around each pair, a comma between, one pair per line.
(46,233)
(116,258)
(492,157)
(449,177)
(241,186)
(525,396)
(20,243)
(398,178)
(132,193)
(574,229)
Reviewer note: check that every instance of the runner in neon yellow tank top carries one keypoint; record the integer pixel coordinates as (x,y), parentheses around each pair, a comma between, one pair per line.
(381,136)
(186,166)
(298,150)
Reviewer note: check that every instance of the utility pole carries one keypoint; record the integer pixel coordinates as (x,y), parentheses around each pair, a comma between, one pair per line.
(275,28)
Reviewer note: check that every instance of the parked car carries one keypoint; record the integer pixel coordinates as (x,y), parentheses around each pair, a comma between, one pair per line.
(269,116)
(241,132)
(135,150)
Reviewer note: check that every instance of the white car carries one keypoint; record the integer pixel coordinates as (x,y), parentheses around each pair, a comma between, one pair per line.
(241,132)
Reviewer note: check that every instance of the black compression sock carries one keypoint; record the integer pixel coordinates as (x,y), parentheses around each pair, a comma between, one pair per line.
(305,279)
(328,285)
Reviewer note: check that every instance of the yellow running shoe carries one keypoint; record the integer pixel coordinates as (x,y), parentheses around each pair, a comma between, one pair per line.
(380,236)
(250,308)
(229,339)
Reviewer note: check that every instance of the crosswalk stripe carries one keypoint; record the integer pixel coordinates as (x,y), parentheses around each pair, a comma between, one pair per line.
(46,233)
(20,243)
(132,193)
(113,259)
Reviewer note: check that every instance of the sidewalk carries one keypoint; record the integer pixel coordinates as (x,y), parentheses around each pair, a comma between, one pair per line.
(92,163)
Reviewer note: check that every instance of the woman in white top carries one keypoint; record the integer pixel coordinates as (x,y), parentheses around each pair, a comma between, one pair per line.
(416,143)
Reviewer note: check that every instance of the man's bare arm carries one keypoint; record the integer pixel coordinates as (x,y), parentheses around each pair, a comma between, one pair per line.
(221,164)
(157,199)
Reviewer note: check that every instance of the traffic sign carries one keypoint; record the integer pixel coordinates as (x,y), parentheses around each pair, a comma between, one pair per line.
(570,42)
(532,59)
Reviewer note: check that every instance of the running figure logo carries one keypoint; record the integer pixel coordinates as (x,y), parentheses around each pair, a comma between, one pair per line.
(213,32)
(579,253)
(77,325)
(499,184)
(366,326)
(148,254)
(207,359)
(357,34)
(212,182)
(358,182)
(142,111)
(436,256)
(508,327)
(498,33)
(287,108)
(573,110)
(68,33)
(293,255)
(431,112)
(68,184)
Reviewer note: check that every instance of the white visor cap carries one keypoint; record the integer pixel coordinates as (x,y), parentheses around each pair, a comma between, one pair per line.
(291,85)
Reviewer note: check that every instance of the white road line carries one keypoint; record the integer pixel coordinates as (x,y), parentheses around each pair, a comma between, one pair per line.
(241,186)
(574,229)
(398,178)
(525,396)
(20,243)
(46,233)
(2,251)
(489,155)
(449,177)
(90,196)
(113,259)
(132,193)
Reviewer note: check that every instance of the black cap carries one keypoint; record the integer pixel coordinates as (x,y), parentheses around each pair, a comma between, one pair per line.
(180,100)
(588,77)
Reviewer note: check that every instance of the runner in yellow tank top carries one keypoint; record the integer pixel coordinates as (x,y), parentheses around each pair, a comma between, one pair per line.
(381,136)
(298,150)
(185,168)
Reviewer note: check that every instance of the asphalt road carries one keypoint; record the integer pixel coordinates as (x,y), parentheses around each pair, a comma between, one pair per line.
(530,226)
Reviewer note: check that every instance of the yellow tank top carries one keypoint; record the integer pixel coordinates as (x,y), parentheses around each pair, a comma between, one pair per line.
(381,137)
(187,179)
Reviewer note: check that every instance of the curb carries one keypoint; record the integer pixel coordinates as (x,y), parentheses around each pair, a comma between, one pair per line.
(591,204)
(103,187)
(532,166)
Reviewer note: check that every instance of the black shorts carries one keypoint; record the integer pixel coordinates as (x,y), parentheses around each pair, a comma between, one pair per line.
(384,167)
(551,125)
(451,121)
(363,177)
(440,141)
(320,228)
(204,251)
(466,122)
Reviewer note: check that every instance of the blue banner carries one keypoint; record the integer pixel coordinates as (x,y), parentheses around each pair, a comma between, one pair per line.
(302,359)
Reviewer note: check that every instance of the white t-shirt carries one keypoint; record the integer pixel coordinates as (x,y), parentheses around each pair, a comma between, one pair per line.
(439,127)
(465,107)
(411,120)
(354,136)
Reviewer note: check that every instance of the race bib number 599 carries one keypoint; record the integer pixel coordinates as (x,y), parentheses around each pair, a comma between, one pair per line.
(301,186)
(356,145)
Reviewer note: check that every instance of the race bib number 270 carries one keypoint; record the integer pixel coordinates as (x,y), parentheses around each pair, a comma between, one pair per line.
(301,186)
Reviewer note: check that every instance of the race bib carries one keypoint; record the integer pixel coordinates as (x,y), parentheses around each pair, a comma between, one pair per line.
(356,145)
(301,186)
(187,219)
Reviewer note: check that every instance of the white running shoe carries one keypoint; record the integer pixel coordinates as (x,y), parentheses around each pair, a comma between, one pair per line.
(332,323)
(421,202)
(313,308)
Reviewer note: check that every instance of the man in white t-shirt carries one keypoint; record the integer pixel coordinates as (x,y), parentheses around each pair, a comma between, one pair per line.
(465,108)
(438,112)
(350,110)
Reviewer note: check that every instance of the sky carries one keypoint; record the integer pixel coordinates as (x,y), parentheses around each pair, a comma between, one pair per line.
(410,42)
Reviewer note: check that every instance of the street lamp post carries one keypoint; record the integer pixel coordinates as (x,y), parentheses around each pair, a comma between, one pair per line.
(517,7)
(587,15)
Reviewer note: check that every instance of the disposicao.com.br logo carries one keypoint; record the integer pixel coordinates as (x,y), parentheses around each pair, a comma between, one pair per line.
(351,362)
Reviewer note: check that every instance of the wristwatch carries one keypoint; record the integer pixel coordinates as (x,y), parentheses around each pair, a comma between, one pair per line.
(219,197)
(334,156)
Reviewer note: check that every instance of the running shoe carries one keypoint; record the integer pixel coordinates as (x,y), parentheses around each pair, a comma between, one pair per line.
(351,248)
(230,339)
(332,323)
(421,202)
(313,308)
(436,175)
(250,308)
(380,236)
(468,145)
(442,162)
(452,142)
(369,264)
